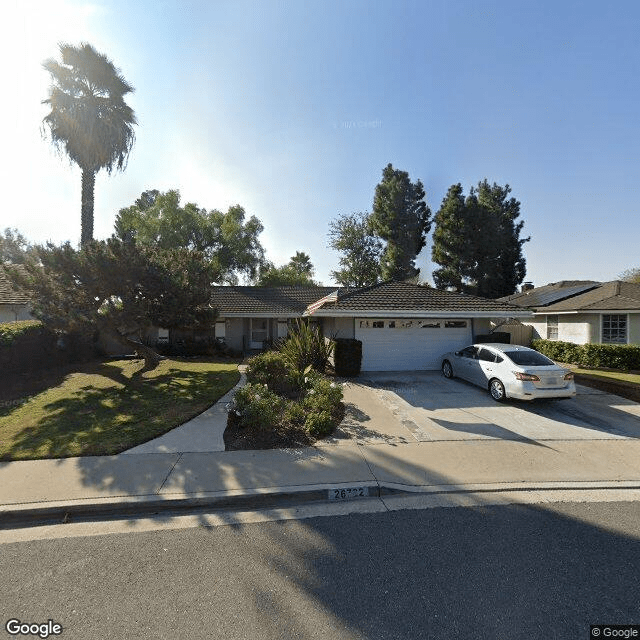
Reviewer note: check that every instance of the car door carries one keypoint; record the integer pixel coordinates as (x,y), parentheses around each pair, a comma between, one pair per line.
(467,362)
(486,366)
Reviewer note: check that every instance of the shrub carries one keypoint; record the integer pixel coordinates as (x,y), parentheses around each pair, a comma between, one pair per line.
(10,331)
(29,345)
(319,424)
(294,414)
(258,407)
(267,367)
(603,356)
(305,346)
(320,404)
(347,358)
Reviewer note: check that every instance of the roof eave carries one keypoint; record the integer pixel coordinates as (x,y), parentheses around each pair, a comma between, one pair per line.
(414,313)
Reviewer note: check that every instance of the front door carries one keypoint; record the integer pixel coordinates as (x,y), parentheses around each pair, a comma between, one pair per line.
(259,332)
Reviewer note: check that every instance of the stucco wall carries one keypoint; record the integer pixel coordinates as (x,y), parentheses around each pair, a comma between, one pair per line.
(340,327)
(577,329)
(481,326)
(14,313)
(634,328)
(571,328)
(583,328)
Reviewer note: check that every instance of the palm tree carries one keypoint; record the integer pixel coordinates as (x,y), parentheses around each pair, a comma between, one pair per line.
(89,119)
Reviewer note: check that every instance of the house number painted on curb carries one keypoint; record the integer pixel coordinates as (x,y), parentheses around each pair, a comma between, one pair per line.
(348,493)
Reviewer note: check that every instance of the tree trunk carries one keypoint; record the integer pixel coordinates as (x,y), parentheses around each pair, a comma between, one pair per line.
(86,213)
(151,357)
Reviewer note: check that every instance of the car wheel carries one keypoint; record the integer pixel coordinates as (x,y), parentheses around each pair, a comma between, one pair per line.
(496,389)
(447,369)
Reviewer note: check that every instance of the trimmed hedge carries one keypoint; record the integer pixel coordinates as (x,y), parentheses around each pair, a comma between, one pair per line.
(28,346)
(347,357)
(10,331)
(598,356)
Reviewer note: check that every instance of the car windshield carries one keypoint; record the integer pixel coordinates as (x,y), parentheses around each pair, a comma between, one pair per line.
(528,358)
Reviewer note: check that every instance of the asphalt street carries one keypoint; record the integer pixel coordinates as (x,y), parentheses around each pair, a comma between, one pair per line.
(503,572)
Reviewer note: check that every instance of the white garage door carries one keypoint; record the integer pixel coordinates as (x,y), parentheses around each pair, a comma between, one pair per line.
(409,344)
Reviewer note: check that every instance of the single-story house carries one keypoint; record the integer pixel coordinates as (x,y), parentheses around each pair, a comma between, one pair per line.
(583,311)
(402,326)
(14,305)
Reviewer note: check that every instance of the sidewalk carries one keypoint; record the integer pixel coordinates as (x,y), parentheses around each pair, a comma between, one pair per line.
(381,459)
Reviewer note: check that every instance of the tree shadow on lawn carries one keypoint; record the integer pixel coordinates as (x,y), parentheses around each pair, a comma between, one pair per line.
(96,420)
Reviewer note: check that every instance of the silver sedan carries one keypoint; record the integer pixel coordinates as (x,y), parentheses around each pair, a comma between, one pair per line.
(510,371)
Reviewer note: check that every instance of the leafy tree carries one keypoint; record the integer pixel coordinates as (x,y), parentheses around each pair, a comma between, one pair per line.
(477,243)
(630,275)
(402,218)
(89,119)
(297,272)
(118,289)
(360,261)
(14,247)
(226,240)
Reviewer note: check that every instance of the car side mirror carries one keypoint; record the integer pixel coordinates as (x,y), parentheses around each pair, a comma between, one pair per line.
(458,353)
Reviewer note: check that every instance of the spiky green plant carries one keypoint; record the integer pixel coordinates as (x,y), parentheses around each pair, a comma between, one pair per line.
(306,347)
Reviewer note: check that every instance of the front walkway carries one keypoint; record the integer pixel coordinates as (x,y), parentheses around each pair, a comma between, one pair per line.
(200,434)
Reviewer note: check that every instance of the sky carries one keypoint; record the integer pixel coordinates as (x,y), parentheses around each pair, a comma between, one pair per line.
(293,109)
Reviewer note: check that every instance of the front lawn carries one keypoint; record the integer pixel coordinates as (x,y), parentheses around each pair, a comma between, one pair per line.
(106,408)
(619,383)
(634,378)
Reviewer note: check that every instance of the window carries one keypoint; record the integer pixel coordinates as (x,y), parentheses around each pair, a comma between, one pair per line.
(430,324)
(378,324)
(455,324)
(552,327)
(528,358)
(486,355)
(469,352)
(614,329)
(391,324)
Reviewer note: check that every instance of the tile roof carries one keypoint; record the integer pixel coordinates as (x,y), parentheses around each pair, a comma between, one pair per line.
(614,295)
(391,296)
(550,293)
(8,295)
(266,300)
(387,296)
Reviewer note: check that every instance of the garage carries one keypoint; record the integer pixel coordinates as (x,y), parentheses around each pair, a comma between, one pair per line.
(407,344)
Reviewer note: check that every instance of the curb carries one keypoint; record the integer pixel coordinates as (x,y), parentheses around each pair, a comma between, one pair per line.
(52,513)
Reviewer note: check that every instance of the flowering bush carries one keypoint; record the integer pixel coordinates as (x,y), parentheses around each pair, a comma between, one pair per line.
(315,411)
(258,407)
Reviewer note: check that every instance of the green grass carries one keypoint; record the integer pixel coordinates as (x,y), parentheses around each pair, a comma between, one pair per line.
(633,378)
(105,408)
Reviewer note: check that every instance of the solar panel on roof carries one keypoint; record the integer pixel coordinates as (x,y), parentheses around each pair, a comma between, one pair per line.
(543,298)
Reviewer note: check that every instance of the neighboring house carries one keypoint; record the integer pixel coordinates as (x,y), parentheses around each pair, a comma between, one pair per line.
(402,326)
(14,305)
(584,311)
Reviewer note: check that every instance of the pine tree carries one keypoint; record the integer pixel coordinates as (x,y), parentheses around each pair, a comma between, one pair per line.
(477,241)
(402,218)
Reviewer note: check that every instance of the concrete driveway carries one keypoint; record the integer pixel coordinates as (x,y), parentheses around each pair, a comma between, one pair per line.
(405,407)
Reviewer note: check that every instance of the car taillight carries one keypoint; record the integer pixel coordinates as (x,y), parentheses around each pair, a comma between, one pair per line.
(568,376)
(526,376)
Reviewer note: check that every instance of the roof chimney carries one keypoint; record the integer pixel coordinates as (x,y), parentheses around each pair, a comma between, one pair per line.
(527,286)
